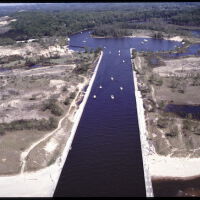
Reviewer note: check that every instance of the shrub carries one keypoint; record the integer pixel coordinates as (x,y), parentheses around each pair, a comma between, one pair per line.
(6,41)
(40,125)
(53,122)
(162,123)
(65,89)
(67,101)
(173,83)
(158,35)
(72,95)
(53,107)
(134,53)
(2,131)
(33,97)
(173,131)
(161,104)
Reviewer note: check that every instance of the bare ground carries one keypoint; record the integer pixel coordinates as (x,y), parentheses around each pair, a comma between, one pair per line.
(166,131)
(23,94)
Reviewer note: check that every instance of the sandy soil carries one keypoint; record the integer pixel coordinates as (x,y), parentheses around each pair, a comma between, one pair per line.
(178,67)
(176,38)
(31,49)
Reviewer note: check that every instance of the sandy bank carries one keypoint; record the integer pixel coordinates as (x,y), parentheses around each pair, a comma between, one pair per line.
(42,183)
(172,167)
(176,38)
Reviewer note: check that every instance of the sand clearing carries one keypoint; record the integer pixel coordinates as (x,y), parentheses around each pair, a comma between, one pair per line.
(176,38)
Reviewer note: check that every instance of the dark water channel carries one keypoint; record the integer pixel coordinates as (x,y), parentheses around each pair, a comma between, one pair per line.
(184,111)
(106,159)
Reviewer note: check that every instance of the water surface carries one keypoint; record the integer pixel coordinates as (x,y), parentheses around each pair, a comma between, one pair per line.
(106,159)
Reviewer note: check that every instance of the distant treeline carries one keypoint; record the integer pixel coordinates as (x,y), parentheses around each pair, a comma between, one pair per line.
(35,24)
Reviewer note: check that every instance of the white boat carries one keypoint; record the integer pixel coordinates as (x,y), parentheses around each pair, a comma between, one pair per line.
(84,41)
(145,40)
(123,61)
(142,42)
(104,47)
(121,88)
(112,96)
(100,86)
(119,51)
(94,96)
(111,78)
(109,52)
(119,54)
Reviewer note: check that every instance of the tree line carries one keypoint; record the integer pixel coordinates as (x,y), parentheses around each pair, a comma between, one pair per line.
(36,24)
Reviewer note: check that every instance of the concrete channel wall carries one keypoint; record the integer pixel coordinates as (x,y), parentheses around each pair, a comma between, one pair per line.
(143,131)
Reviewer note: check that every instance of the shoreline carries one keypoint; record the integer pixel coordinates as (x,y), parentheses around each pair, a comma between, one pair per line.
(142,132)
(128,36)
(175,38)
(164,167)
(26,184)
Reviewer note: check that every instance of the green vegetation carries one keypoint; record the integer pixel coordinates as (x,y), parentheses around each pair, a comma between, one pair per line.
(6,41)
(134,53)
(173,131)
(162,122)
(41,125)
(53,106)
(155,79)
(111,31)
(111,20)
(72,95)
(67,101)
(192,126)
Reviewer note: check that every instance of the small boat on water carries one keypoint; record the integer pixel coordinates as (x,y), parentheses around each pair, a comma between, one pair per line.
(119,51)
(112,78)
(109,52)
(121,88)
(100,86)
(119,54)
(112,96)
(123,61)
(104,47)
(142,42)
(94,96)
(84,41)
(145,40)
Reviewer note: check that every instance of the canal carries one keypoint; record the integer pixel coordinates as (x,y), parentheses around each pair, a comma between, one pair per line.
(105,159)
